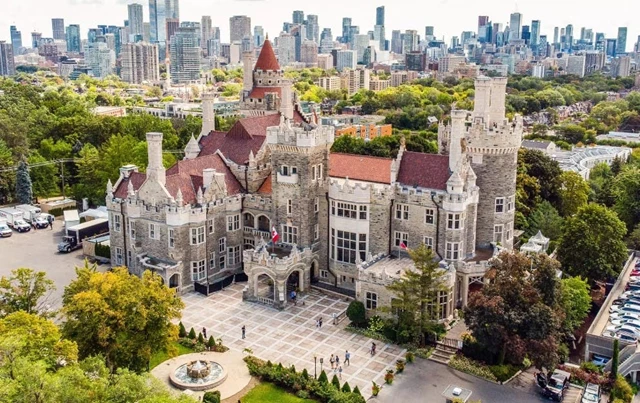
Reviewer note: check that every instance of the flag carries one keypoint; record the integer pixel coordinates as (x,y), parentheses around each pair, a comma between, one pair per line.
(274,235)
(403,246)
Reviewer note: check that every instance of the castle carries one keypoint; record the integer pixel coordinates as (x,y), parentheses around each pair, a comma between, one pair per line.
(343,221)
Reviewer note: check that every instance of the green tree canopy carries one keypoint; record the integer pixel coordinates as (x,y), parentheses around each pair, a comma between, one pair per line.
(575,301)
(25,290)
(627,196)
(574,193)
(24,192)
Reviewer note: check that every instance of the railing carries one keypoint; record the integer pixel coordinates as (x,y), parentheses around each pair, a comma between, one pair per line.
(450,343)
(265,301)
(256,232)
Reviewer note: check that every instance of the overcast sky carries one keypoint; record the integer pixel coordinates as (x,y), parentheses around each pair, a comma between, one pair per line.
(450,17)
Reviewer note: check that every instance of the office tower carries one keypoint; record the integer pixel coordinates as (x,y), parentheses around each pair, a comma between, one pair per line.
(205,35)
(57,25)
(526,34)
(172,26)
(195,25)
(611,47)
(286,49)
(483,20)
(396,42)
(346,59)
(568,37)
(556,33)
(495,30)
(185,55)
(542,46)
(240,27)
(637,47)
(93,34)
(7,64)
(73,38)
(157,21)
(380,15)
(621,44)
(35,39)
(258,36)
(535,33)
(326,41)
(214,48)
(379,36)
(139,63)
(136,29)
(110,40)
(410,41)
(309,53)
(576,65)
(594,61)
(360,43)
(428,31)
(621,66)
(100,59)
(313,28)
(16,39)
(346,28)
(172,9)
(215,33)
(298,17)
(515,25)
(146,32)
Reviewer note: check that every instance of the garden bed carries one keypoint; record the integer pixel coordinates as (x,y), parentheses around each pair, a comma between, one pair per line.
(268,392)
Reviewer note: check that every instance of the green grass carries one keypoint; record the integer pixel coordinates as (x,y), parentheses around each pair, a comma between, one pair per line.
(268,392)
(162,356)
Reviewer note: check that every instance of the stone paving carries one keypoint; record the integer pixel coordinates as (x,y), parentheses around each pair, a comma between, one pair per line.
(291,336)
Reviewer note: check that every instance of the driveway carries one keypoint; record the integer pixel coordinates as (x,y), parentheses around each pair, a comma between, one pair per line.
(38,250)
(424,381)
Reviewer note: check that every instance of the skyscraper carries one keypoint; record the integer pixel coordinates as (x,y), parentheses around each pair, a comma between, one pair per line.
(16,39)
(621,44)
(313,28)
(172,9)
(73,38)
(568,35)
(396,42)
(428,31)
(185,55)
(205,23)
(258,36)
(535,33)
(346,29)
(7,65)
(136,28)
(298,17)
(482,21)
(172,25)
(157,21)
(380,15)
(35,39)
(240,27)
(57,25)
(100,59)
(515,25)
(139,63)
(556,35)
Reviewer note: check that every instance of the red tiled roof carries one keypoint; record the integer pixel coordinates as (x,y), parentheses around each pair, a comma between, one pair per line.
(430,171)
(260,92)
(190,173)
(360,167)
(265,188)
(267,59)
(136,177)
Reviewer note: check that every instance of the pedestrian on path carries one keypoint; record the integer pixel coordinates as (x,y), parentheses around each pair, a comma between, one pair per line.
(204,332)
(317,322)
(244,330)
(373,348)
(347,357)
(332,360)
(340,372)
(335,318)
(50,219)
(337,360)
(320,323)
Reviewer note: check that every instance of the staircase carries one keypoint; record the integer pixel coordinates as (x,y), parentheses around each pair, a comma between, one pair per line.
(443,353)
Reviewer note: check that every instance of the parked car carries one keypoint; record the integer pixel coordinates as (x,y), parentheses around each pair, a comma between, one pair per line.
(626,308)
(591,393)
(619,320)
(627,315)
(599,360)
(40,222)
(554,387)
(631,323)
(5,231)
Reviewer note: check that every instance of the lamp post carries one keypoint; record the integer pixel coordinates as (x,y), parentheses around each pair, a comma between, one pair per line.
(315,367)
(321,361)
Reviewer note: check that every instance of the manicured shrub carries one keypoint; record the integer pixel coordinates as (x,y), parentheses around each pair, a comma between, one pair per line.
(211,343)
(182,332)
(410,357)
(323,377)
(346,388)
(388,377)
(335,382)
(200,338)
(211,397)
(464,364)
(305,374)
(356,391)
(192,334)
(399,366)
(357,314)
(302,394)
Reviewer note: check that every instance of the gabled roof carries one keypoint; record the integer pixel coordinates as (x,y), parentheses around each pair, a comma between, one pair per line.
(192,169)
(429,171)
(267,59)
(265,188)
(360,167)
(260,92)
(136,178)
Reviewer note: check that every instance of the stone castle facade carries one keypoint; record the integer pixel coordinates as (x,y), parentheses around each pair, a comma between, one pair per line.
(343,221)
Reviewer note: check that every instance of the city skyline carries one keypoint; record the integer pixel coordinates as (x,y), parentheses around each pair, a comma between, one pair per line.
(450,18)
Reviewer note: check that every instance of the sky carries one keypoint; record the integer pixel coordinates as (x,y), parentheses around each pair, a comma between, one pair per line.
(449,17)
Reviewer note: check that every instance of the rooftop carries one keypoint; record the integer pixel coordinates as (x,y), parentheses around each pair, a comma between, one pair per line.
(360,167)
(267,59)
(429,171)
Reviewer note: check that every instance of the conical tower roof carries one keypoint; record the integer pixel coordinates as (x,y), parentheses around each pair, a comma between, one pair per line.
(267,59)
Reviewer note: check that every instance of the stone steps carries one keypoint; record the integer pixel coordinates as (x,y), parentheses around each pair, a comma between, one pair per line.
(442,355)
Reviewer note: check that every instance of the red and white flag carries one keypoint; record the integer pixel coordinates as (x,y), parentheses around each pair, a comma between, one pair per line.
(403,246)
(274,235)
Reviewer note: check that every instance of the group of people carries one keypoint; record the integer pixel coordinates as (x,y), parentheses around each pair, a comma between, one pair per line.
(335,362)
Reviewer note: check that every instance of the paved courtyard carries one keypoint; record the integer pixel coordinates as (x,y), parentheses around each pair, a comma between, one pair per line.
(290,336)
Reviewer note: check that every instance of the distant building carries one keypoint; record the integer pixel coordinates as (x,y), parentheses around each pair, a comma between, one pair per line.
(185,56)
(576,65)
(74,44)
(582,159)
(621,66)
(16,39)
(136,27)
(376,84)
(365,132)
(416,61)
(309,53)
(449,63)
(139,63)
(621,44)
(100,59)
(7,65)
(240,27)
(346,59)
(325,61)
(331,83)
(57,26)
(353,80)
(286,49)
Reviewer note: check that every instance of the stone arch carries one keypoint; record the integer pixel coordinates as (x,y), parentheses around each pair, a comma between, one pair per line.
(265,285)
(264,223)
(314,271)
(174,281)
(297,274)
(249,220)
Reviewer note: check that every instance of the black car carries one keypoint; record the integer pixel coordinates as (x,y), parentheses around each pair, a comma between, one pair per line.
(554,386)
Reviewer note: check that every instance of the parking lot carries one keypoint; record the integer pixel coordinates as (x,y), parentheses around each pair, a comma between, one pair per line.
(37,250)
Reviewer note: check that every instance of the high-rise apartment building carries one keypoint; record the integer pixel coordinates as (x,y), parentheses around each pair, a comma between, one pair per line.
(360,43)
(346,29)
(172,25)
(428,31)
(100,59)
(73,39)
(185,55)
(611,47)
(258,36)
(515,26)
(57,26)
(7,64)
(346,59)
(621,66)
(35,39)
(16,39)
(139,63)
(309,53)
(136,19)
(535,33)
(621,45)
(396,42)
(240,26)
(157,21)
(205,24)
(298,17)
(313,28)
(286,49)
(172,9)
(410,41)
(380,15)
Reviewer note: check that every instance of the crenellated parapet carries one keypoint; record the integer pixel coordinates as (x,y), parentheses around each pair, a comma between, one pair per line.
(502,137)
(293,138)
(358,192)
(263,257)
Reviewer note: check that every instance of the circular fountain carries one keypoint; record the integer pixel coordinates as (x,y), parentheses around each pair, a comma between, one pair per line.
(198,375)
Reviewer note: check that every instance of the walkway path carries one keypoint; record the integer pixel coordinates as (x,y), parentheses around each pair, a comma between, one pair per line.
(290,336)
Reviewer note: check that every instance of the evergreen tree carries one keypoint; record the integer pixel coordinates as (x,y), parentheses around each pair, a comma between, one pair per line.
(323,377)
(305,374)
(212,342)
(614,359)
(24,192)
(335,382)
(346,388)
(192,334)
(182,332)
(356,391)
(200,338)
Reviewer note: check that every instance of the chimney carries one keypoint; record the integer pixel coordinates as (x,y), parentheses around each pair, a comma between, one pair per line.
(286,102)
(155,169)
(498,99)
(457,134)
(207,177)
(208,115)
(482,99)
(247,62)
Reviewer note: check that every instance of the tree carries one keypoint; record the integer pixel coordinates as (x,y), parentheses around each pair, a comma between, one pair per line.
(356,391)
(416,294)
(6,177)
(192,334)
(633,240)
(545,170)
(545,218)
(614,359)
(323,377)
(121,316)
(24,193)
(574,193)
(601,181)
(182,332)
(335,382)
(356,313)
(621,390)
(575,301)
(627,196)
(346,388)
(592,244)
(24,291)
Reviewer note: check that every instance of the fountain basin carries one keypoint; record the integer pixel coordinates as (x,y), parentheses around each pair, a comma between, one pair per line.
(198,375)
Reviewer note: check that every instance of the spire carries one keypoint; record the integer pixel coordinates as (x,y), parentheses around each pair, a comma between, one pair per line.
(130,191)
(179,198)
(192,150)
(199,197)
(109,188)
(267,59)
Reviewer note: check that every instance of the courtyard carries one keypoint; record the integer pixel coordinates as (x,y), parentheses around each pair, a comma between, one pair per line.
(291,336)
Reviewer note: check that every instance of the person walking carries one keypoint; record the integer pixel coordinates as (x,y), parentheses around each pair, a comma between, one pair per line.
(244,331)
(332,360)
(337,360)
(347,357)
(340,372)
(320,322)
(204,332)
(373,348)
(50,219)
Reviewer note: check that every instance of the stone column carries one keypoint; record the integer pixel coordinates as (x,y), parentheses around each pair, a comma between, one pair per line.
(465,289)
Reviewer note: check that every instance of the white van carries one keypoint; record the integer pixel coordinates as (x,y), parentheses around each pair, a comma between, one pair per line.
(29,212)
(15,219)
(5,231)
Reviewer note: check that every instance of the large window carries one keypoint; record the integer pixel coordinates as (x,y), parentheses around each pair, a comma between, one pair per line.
(197,236)
(510,203)
(371,300)
(499,204)
(152,231)
(289,234)
(497,233)
(346,246)
(429,216)
(453,220)
(210,226)
(428,242)
(233,222)
(346,210)
(198,271)
(222,249)
(363,212)
(116,223)
(172,237)
(452,251)
(132,229)
(119,256)
(401,238)
(234,255)
(508,231)
(402,211)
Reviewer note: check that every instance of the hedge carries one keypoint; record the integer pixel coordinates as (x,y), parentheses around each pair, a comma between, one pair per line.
(57,212)
(294,381)
(103,251)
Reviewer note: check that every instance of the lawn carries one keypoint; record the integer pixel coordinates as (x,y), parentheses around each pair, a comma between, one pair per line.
(162,356)
(268,392)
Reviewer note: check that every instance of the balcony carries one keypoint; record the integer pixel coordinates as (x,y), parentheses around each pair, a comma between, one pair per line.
(288,179)
(257,233)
